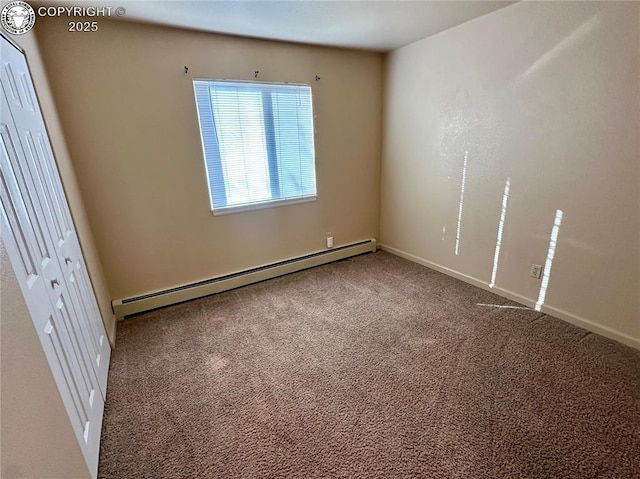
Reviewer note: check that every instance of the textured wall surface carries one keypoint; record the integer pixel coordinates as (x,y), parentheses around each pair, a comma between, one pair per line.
(129,117)
(545,94)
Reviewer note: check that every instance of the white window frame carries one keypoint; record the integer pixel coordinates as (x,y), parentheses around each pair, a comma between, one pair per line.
(258,205)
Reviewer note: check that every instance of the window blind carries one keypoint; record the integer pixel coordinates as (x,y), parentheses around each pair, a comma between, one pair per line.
(257,140)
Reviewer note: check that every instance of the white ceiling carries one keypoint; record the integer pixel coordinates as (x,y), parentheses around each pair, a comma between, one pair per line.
(363,24)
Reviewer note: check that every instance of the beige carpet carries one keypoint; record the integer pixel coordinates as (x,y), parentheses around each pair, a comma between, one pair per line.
(369,367)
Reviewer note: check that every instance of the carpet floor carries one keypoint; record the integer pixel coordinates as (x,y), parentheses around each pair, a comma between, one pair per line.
(372,367)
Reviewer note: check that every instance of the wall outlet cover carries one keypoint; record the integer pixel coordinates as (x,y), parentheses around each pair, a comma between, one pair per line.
(329,241)
(536,271)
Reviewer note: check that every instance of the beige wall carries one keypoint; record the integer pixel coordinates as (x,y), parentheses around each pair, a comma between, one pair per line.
(36,438)
(547,94)
(129,117)
(30,46)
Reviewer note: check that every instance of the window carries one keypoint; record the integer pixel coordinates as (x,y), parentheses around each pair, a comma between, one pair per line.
(257,140)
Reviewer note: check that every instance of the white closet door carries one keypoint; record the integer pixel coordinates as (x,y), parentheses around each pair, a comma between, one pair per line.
(41,168)
(44,251)
(45,293)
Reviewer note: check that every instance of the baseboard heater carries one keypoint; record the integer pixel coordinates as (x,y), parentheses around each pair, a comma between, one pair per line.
(158,299)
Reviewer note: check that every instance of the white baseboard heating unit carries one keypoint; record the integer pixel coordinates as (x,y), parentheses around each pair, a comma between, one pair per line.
(158,299)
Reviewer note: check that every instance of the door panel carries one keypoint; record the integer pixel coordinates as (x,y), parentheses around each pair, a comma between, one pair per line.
(25,269)
(42,181)
(37,230)
(40,281)
(84,285)
(9,158)
(34,199)
(30,253)
(12,94)
(84,384)
(43,172)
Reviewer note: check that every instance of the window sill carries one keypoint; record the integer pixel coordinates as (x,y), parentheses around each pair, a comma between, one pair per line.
(227,210)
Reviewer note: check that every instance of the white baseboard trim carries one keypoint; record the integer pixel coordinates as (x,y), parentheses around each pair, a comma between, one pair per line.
(551,310)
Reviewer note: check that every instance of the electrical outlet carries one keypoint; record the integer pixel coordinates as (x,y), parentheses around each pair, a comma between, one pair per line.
(329,240)
(536,271)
